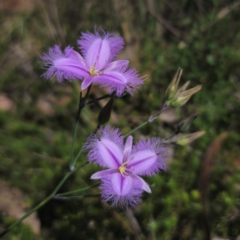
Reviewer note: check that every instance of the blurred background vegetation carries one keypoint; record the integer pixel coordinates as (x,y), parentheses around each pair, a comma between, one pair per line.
(199,195)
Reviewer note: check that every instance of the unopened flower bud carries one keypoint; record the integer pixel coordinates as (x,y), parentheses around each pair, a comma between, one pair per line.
(184,87)
(182,97)
(185,139)
(172,88)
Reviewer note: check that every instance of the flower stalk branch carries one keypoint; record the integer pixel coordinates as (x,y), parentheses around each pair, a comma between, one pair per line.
(82,101)
(47,199)
(75,191)
(79,197)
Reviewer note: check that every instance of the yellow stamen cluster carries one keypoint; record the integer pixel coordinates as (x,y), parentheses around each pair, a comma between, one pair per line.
(122,169)
(93,72)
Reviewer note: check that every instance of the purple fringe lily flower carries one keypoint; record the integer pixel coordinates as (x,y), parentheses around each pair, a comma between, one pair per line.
(95,65)
(121,182)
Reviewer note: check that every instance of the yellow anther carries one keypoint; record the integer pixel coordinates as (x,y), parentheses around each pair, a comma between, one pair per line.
(122,168)
(93,72)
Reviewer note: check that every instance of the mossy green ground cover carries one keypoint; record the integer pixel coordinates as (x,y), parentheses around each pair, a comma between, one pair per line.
(203,38)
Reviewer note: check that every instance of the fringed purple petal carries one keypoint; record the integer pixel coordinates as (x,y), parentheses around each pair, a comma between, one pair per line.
(148,157)
(131,199)
(100,49)
(121,185)
(120,81)
(116,65)
(67,65)
(86,82)
(103,173)
(105,147)
(145,186)
(127,148)
(111,153)
(141,161)
(98,54)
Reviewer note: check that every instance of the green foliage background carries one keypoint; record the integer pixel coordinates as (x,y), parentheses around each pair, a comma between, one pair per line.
(203,38)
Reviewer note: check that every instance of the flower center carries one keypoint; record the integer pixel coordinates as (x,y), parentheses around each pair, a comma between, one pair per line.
(93,72)
(123,169)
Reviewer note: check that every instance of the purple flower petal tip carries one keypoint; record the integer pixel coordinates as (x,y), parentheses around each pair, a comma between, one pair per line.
(63,65)
(120,81)
(100,48)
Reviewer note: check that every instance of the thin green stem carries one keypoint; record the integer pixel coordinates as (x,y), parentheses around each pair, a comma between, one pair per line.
(150,119)
(97,99)
(82,102)
(76,197)
(76,191)
(136,128)
(69,198)
(80,106)
(72,160)
(27,214)
(44,201)
(75,159)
